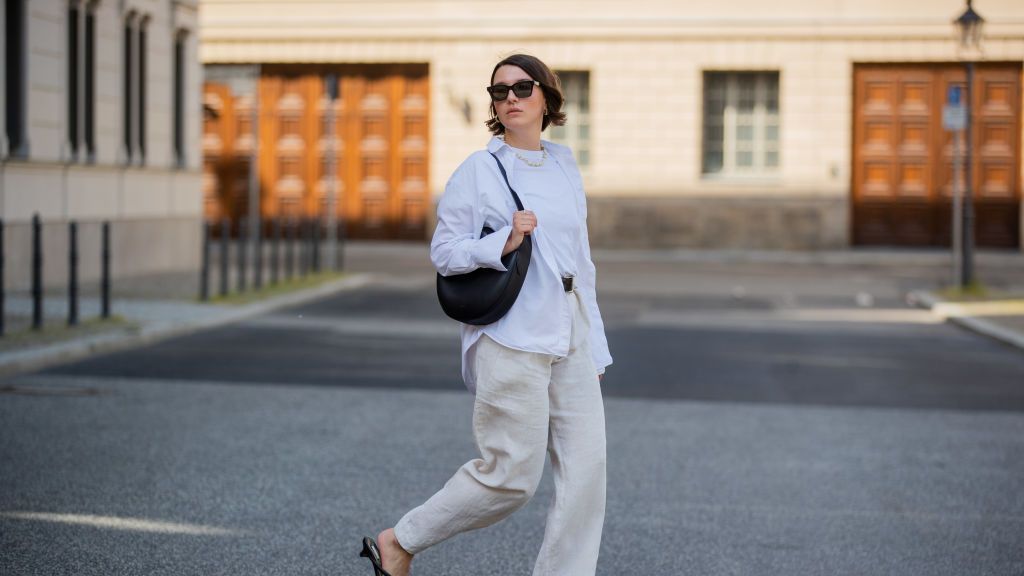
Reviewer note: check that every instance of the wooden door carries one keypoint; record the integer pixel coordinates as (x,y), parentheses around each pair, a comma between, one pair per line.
(226,149)
(379,139)
(380,147)
(903,158)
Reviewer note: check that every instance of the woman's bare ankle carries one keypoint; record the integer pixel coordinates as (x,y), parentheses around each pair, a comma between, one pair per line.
(394,559)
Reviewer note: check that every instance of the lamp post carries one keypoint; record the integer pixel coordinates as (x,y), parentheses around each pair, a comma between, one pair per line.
(331,80)
(255,226)
(969,25)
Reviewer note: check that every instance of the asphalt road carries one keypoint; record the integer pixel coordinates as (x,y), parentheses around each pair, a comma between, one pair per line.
(762,419)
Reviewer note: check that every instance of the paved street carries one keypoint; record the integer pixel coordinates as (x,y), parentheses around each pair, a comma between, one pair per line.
(763,418)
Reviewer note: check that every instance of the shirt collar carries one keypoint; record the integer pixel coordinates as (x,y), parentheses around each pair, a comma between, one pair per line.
(498,143)
(495,144)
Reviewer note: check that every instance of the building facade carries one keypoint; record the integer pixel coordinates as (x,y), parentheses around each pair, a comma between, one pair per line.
(101,123)
(741,124)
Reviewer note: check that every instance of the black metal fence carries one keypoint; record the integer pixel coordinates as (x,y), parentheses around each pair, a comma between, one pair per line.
(281,249)
(36,290)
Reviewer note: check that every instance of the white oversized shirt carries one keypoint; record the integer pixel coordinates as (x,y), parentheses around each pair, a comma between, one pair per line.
(476,195)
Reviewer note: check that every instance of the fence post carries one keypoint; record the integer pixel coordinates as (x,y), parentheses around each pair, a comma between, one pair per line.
(315,226)
(300,248)
(339,251)
(307,260)
(243,239)
(225,235)
(257,265)
(204,271)
(72,273)
(290,255)
(275,246)
(303,246)
(37,273)
(105,281)
(3,307)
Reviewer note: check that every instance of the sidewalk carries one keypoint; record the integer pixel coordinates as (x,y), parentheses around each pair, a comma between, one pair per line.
(143,313)
(999,319)
(157,307)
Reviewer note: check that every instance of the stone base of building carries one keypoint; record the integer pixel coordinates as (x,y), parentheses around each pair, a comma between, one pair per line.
(138,247)
(764,223)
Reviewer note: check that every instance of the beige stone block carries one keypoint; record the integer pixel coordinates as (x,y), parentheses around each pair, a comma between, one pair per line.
(186,194)
(790,223)
(144,194)
(29,189)
(92,193)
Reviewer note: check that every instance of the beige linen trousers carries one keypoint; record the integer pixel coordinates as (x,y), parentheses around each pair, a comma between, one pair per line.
(527,405)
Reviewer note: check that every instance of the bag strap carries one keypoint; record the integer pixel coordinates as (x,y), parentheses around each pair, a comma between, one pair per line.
(519,203)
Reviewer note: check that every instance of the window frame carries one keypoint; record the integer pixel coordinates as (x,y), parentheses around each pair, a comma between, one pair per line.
(178,96)
(126,96)
(142,74)
(15,140)
(74,73)
(577,115)
(762,117)
(89,84)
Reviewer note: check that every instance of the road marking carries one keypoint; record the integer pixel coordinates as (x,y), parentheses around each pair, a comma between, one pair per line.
(130,524)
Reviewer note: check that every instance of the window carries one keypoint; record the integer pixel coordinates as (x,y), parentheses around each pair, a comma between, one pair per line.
(141,90)
(576,132)
(73,93)
(741,122)
(179,99)
(128,83)
(81,78)
(14,76)
(90,80)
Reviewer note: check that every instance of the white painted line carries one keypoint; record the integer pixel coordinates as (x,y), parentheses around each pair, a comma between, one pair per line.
(129,524)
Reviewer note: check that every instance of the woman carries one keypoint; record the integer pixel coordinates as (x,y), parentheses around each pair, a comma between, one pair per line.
(535,372)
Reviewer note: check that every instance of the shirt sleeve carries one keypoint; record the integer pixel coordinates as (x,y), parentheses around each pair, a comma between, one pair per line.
(456,247)
(588,285)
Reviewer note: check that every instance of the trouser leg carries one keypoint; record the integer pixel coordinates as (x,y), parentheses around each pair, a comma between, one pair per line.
(572,536)
(510,426)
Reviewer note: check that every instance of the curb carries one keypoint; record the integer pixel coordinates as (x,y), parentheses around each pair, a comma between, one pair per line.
(47,356)
(948,312)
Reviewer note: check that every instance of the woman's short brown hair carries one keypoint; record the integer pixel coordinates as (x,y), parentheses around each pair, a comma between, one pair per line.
(549,83)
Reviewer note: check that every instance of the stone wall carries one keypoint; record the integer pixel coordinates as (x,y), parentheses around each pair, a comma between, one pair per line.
(775,223)
(138,247)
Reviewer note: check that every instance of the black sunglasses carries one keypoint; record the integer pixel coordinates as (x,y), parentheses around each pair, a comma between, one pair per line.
(523,89)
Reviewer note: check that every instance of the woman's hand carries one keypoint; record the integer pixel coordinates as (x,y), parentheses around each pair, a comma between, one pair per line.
(600,377)
(523,223)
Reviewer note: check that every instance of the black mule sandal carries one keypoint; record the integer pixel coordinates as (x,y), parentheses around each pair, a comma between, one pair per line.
(371,551)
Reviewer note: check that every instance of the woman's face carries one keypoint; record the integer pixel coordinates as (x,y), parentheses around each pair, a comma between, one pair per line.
(515,112)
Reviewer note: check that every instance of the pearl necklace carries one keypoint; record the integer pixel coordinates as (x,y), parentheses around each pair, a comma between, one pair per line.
(543,157)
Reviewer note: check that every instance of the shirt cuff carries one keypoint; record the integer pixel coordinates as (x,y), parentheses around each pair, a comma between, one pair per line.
(487,250)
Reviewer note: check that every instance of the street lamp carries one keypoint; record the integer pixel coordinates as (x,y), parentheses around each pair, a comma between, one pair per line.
(969,24)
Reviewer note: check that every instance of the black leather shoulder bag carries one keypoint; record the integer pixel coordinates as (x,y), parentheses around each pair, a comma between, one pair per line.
(485,295)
